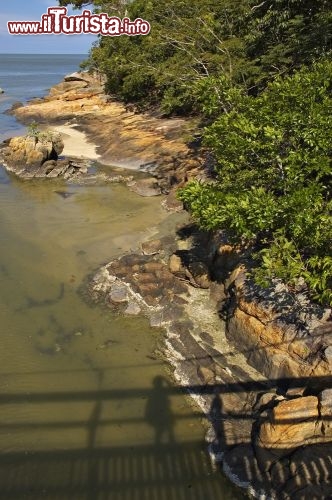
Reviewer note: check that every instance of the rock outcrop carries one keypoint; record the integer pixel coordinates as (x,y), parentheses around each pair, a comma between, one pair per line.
(33,151)
(124,138)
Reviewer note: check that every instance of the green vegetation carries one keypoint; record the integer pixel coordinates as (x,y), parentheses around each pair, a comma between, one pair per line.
(259,74)
(33,130)
(272,187)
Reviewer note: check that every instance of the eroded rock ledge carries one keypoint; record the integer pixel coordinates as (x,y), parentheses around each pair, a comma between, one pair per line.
(123,138)
(262,376)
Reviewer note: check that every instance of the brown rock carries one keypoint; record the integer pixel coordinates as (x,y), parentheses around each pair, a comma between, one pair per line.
(267,399)
(49,165)
(145,187)
(62,87)
(151,247)
(241,462)
(152,289)
(217,292)
(328,355)
(35,157)
(294,423)
(297,409)
(171,203)
(152,267)
(206,375)
(118,294)
(175,264)
(164,275)
(133,309)
(310,473)
(200,273)
(145,278)
(227,257)
(33,151)
(325,403)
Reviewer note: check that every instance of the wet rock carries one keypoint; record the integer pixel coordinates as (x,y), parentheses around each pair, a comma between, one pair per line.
(133,309)
(49,165)
(240,463)
(151,247)
(118,293)
(144,277)
(153,266)
(65,195)
(15,105)
(156,319)
(145,187)
(172,203)
(151,290)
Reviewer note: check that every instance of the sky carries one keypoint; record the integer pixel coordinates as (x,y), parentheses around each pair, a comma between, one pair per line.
(32,10)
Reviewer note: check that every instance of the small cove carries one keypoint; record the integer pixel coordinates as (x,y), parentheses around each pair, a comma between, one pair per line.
(77,381)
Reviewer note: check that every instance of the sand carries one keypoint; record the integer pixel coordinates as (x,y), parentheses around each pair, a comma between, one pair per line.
(76,142)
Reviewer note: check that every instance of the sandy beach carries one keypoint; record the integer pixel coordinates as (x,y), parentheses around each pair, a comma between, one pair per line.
(76,142)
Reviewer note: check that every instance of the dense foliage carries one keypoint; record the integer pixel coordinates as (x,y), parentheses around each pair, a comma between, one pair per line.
(248,41)
(260,75)
(272,185)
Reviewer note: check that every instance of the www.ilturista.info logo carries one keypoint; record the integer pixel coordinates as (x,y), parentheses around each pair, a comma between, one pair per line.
(56,22)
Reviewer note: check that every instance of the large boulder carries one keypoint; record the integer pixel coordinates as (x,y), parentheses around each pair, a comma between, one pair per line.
(293,423)
(33,150)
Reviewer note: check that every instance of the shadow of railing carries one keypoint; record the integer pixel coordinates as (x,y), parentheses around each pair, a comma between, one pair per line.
(171,472)
(164,469)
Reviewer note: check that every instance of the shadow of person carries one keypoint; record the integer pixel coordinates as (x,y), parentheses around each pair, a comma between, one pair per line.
(158,411)
(216,417)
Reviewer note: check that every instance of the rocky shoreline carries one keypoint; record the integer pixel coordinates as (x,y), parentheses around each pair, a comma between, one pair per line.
(257,361)
(263,400)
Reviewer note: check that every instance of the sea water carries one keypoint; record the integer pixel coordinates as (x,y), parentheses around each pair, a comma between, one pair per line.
(77,381)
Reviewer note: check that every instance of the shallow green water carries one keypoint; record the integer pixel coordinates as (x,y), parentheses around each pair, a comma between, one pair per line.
(85,411)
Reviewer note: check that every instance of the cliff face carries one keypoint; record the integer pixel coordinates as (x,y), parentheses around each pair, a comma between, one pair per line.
(282,334)
(288,339)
